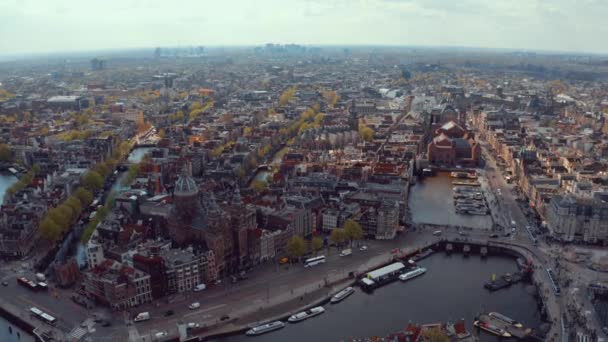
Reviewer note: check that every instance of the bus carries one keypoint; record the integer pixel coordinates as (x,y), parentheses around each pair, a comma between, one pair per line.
(43,316)
(314,261)
(23,281)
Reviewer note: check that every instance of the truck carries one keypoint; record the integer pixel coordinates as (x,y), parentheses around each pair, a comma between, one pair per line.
(142,316)
(346,252)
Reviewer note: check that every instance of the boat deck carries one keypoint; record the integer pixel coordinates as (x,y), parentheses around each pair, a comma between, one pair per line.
(516,332)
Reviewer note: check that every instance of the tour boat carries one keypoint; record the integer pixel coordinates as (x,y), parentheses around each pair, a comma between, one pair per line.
(340,296)
(505,319)
(491,329)
(412,274)
(264,328)
(300,316)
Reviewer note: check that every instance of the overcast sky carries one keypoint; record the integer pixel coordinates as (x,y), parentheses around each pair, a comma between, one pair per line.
(75,25)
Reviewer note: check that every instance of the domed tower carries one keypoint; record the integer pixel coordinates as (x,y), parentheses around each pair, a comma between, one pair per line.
(185,196)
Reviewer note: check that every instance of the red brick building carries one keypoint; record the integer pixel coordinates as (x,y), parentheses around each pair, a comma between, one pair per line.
(453,145)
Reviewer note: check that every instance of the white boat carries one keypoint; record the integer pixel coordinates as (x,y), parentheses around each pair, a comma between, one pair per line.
(340,296)
(300,316)
(505,319)
(412,274)
(264,328)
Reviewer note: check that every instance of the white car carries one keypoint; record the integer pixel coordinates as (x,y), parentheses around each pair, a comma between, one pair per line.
(194,306)
(200,287)
(193,325)
(363,248)
(161,334)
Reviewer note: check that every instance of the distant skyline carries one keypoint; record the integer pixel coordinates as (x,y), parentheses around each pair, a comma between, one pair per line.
(49,26)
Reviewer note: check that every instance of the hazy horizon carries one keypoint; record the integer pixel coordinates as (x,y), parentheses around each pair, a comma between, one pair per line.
(30,27)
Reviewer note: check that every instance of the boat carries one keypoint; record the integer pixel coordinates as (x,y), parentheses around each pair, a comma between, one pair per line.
(505,319)
(491,329)
(412,274)
(340,296)
(423,255)
(300,316)
(264,328)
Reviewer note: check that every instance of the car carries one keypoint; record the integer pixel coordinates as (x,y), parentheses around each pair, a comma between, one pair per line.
(161,334)
(193,325)
(494,236)
(463,233)
(506,234)
(169,313)
(106,324)
(199,287)
(283,260)
(224,318)
(363,248)
(194,306)
(5,283)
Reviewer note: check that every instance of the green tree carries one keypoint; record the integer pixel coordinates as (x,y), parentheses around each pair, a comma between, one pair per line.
(296,247)
(102,169)
(259,186)
(337,236)
(131,175)
(316,244)
(60,217)
(6,154)
(353,230)
(84,196)
(92,180)
(75,205)
(49,230)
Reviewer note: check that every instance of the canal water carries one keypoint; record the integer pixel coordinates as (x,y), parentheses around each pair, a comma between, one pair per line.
(11,333)
(6,180)
(451,289)
(135,157)
(431,202)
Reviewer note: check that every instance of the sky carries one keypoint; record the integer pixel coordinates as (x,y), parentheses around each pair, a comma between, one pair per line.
(43,26)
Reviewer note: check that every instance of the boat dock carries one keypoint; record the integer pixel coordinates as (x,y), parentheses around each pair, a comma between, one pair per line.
(516,332)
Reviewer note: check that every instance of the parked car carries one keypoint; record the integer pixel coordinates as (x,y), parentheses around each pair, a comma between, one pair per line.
(192,325)
(169,313)
(4,283)
(363,248)
(194,305)
(200,287)
(494,236)
(224,318)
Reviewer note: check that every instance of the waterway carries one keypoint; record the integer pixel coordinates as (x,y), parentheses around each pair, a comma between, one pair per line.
(11,333)
(6,180)
(451,289)
(431,201)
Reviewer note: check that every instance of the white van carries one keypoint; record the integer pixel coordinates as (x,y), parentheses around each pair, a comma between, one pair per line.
(437,232)
(194,306)
(142,316)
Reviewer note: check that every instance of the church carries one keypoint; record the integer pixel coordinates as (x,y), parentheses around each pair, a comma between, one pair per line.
(452,145)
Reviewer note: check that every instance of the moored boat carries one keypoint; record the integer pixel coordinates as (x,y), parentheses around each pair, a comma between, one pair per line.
(505,319)
(491,329)
(340,296)
(412,274)
(264,328)
(300,316)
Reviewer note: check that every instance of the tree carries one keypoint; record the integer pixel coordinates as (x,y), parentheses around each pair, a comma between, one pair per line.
(60,217)
(49,230)
(316,244)
(259,186)
(296,247)
(84,196)
(92,180)
(353,230)
(435,335)
(67,212)
(102,169)
(247,131)
(337,236)
(366,133)
(5,153)
(287,95)
(74,203)
(331,97)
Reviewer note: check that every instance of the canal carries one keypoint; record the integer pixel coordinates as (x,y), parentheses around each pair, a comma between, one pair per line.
(6,180)
(431,202)
(451,289)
